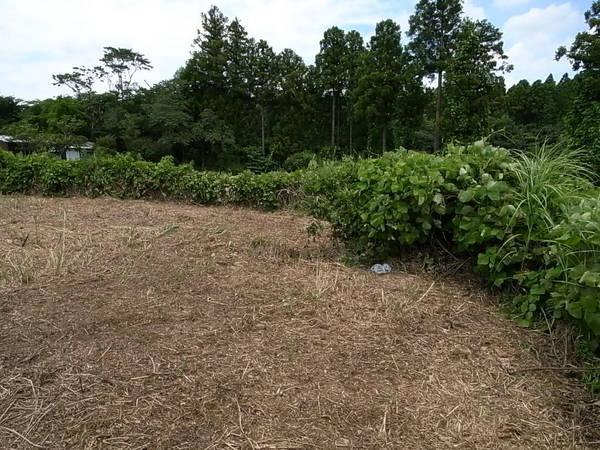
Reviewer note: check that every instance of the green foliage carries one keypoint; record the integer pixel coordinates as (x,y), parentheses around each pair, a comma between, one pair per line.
(472,82)
(434,27)
(583,127)
(257,161)
(298,161)
(10,108)
(125,176)
(381,78)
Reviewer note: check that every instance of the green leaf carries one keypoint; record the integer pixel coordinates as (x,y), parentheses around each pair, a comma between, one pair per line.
(466,196)
(575,309)
(593,322)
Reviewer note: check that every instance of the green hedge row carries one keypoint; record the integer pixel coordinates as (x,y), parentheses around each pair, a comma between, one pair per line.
(533,225)
(123,176)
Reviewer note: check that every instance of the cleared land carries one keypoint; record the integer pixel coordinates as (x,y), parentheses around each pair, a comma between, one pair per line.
(132,324)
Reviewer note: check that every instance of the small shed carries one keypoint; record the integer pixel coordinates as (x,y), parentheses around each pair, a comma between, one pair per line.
(75,152)
(71,152)
(12,144)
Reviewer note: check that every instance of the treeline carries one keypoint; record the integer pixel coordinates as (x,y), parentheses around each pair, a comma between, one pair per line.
(237,103)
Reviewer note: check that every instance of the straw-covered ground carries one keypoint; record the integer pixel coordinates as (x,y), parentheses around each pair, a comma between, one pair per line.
(134,324)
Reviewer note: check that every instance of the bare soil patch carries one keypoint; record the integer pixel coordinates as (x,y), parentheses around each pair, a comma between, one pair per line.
(134,324)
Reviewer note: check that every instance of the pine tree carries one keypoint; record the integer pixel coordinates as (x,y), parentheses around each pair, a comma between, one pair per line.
(237,50)
(207,68)
(330,66)
(381,79)
(582,123)
(472,78)
(264,81)
(353,59)
(434,27)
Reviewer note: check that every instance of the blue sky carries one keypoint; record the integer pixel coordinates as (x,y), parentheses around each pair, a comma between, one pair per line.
(42,37)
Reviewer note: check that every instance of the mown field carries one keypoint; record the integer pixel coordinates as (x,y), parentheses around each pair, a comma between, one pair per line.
(138,324)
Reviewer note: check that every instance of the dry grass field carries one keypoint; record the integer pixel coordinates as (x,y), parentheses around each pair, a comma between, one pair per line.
(134,324)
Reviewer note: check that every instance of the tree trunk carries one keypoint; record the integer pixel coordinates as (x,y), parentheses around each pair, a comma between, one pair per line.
(384,138)
(438,113)
(333,120)
(262,128)
(351,143)
(338,124)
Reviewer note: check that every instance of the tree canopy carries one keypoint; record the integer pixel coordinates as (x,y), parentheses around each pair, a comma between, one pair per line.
(238,103)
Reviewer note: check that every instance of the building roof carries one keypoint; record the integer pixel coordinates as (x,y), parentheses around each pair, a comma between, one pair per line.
(83,146)
(6,138)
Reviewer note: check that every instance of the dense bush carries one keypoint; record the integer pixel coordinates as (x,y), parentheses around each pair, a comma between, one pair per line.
(531,222)
(126,177)
(298,161)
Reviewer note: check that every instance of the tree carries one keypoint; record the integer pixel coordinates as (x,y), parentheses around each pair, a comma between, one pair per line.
(10,109)
(118,68)
(472,80)
(80,81)
(353,59)
(209,61)
(51,123)
(434,27)
(584,53)
(583,125)
(330,66)
(381,81)
(263,80)
(237,50)
(171,120)
(297,122)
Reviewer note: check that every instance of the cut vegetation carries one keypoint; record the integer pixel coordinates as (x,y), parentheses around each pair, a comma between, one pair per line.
(134,324)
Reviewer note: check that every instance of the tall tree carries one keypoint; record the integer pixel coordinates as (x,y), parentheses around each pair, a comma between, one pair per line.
(171,121)
(472,78)
(298,122)
(353,59)
(10,108)
(584,53)
(119,67)
(205,72)
(381,81)
(330,66)
(264,81)
(80,80)
(583,124)
(205,79)
(237,50)
(434,27)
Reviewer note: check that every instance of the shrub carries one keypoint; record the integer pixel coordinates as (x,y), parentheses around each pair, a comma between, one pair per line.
(298,161)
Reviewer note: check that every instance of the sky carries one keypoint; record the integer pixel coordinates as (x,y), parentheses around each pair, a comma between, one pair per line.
(41,37)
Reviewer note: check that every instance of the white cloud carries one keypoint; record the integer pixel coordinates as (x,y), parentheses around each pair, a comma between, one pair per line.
(509,3)
(533,37)
(41,37)
(473,11)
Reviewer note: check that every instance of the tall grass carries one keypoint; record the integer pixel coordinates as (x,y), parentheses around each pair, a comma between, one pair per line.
(546,180)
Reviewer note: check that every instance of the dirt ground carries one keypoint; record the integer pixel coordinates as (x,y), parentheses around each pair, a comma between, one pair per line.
(134,324)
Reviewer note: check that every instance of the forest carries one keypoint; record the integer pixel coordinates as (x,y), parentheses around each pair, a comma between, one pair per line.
(237,104)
